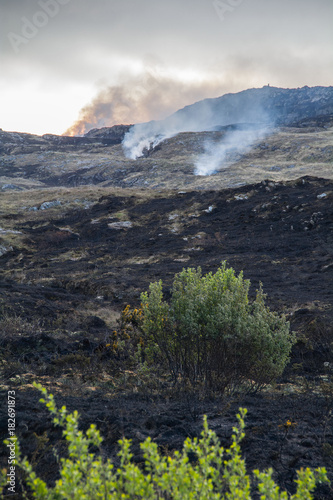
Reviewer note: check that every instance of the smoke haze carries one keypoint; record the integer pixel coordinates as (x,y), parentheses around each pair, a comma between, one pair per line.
(55,54)
(244,108)
(140,98)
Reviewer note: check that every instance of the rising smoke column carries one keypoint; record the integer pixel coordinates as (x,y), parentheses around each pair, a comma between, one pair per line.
(145,136)
(110,107)
(220,155)
(141,137)
(151,95)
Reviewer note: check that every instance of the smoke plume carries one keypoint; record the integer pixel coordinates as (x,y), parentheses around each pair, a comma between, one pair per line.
(233,145)
(243,113)
(151,95)
(145,136)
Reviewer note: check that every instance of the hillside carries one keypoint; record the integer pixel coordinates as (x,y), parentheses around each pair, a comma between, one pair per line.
(69,268)
(85,229)
(287,153)
(267,104)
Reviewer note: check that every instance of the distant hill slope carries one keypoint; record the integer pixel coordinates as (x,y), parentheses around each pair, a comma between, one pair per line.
(273,104)
(262,108)
(303,145)
(38,162)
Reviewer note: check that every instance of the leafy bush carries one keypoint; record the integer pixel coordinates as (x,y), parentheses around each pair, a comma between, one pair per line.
(210,332)
(214,473)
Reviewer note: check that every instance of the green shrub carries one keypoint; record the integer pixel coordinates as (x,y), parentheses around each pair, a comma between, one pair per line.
(211,333)
(215,473)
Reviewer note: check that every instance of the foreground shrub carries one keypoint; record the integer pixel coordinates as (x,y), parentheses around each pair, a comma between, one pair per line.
(210,332)
(214,473)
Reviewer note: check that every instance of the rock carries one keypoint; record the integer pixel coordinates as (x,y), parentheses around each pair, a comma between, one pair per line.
(120,225)
(4,250)
(49,204)
(94,322)
(7,187)
(109,135)
(9,231)
(240,197)
(45,206)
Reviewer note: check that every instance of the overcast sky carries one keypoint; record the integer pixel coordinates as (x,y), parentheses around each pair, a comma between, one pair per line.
(126,61)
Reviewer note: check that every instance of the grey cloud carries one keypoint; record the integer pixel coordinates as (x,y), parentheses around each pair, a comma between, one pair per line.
(190,28)
(283,42)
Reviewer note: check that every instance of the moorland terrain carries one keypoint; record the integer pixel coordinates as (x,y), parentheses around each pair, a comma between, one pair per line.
(83,232)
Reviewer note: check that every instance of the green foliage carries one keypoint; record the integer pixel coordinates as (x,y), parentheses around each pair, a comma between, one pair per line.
(216,473)
(211,332)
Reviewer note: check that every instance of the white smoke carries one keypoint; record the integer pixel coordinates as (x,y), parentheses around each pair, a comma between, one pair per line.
(146,136)
(244,113)
(142,137)
(220,155)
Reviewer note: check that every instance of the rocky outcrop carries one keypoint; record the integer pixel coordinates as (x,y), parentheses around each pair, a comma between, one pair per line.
(109,135)
(25,143)
(268,104)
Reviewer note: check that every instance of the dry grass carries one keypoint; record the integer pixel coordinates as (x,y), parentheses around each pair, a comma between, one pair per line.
(76,197)
(285,155)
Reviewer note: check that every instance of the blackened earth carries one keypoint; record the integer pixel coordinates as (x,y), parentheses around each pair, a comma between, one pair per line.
(280,234)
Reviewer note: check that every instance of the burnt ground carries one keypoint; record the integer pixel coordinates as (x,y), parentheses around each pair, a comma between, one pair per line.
(74,267)
(169,421)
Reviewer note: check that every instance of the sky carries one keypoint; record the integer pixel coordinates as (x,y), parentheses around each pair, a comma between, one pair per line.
(67,66)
